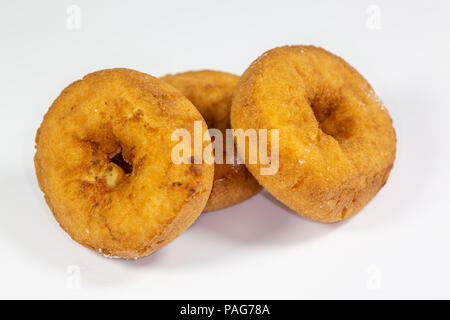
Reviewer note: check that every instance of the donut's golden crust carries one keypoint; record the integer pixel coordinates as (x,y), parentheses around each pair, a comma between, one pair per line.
(337,144)
(107,115)
(211,92)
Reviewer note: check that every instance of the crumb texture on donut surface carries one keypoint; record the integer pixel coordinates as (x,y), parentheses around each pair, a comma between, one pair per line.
(103,161)
(336,141)
(211,92)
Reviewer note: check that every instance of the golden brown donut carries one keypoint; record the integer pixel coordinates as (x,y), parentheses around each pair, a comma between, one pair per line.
(103,161)
(336,140)
(211,92)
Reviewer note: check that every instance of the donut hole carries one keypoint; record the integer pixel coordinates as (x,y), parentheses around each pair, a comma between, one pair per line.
(323,112)
(119,160)
(332,118)
(111,163)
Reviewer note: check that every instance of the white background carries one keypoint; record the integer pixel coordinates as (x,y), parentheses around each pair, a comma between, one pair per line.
(396,247)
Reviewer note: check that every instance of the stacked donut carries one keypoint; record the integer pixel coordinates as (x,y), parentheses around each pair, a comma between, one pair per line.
(104,151)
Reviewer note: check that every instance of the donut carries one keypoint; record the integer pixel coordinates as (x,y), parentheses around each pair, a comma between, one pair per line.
(336,143)
(103,161)
(211,92)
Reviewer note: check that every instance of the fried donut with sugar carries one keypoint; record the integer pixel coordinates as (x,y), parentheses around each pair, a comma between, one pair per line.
(211,91)
(103,160)
(337,143)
